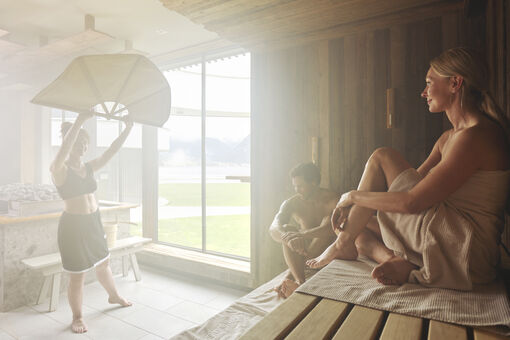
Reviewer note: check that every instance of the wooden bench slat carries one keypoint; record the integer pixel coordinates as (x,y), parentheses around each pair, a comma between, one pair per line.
(402,327)
(321,321)
(281,320)
(441,330)
(42,261)
(485,335)
(362,324)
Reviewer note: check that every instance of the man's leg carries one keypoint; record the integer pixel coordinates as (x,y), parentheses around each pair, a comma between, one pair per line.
(315,248)
(382,168)
(296,274)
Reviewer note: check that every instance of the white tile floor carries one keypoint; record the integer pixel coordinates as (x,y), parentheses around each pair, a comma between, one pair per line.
(163,305)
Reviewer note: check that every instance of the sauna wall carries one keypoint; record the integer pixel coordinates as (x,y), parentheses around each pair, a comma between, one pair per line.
(336,90)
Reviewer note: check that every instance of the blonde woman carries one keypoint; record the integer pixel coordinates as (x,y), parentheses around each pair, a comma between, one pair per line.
(81,238)
(438,225)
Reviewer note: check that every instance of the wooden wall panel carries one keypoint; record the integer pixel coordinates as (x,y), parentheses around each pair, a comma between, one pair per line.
(397,63)
(336,95)
(324,112)
(422,128)
(383,136)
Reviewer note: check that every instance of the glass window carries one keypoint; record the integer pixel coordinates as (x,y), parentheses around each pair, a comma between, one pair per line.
(227,146)
(179,146)
(200,203)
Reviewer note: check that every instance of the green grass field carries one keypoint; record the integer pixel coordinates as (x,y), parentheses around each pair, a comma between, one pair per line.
(218,194)
(228,234)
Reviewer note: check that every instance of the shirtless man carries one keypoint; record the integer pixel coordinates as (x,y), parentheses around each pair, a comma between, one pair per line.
(303,224)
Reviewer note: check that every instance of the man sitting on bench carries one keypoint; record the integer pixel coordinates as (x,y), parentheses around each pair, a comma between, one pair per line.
(303,224)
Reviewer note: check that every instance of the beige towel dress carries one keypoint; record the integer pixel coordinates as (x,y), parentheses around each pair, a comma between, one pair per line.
(455,243)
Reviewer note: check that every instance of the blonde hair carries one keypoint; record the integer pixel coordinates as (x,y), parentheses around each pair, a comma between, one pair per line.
(467,63)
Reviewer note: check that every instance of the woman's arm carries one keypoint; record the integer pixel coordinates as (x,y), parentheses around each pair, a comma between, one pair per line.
(458,163)
(57,166)
(101,161)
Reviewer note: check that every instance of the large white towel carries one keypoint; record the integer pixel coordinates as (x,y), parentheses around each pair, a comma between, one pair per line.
(455,243)
(350,281)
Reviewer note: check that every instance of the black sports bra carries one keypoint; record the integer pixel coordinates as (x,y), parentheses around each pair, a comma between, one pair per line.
(75,185)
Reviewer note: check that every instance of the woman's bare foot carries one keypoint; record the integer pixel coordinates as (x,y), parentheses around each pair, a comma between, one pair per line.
(288,287)
(337,250)
(119,300)
(395,271)
(78,326)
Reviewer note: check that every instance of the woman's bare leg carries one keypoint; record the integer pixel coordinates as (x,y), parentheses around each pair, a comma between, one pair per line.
(367,244)
(75,298)
(382,168)
(392,269)
(105,278)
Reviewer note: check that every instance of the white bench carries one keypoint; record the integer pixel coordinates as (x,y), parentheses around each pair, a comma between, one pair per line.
(51,266)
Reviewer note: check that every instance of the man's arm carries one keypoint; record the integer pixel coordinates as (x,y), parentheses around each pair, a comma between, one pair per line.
(323,230)
(280,223)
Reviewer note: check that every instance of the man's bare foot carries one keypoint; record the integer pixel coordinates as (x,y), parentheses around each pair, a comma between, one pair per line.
(119,300)
(395,271)
(278,289)
(78,326)
(337,250)
(288,287)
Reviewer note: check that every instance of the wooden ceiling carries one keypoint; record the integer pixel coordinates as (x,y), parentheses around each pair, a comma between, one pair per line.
(259,24)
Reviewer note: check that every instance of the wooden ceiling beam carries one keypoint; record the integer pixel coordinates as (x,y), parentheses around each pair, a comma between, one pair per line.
(314,18)
(233,9)
(272,22)
(417,14)
(188,7)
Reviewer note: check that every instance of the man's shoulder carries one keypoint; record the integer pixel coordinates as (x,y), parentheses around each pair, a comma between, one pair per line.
(290,202)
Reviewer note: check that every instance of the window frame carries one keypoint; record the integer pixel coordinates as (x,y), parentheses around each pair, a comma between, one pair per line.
(203,60)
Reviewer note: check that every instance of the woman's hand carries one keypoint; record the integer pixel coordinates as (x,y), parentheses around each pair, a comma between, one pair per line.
(341,211)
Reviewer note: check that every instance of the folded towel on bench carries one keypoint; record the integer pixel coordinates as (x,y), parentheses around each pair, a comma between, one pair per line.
(350,281)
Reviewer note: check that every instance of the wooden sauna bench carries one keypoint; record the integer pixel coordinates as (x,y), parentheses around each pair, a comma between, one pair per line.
(304,316)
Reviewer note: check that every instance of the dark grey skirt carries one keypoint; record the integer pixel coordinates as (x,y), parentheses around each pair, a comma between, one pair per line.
(81,241)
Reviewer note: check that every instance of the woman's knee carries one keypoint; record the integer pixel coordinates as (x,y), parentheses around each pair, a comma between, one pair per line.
(383,154)
(389,161)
